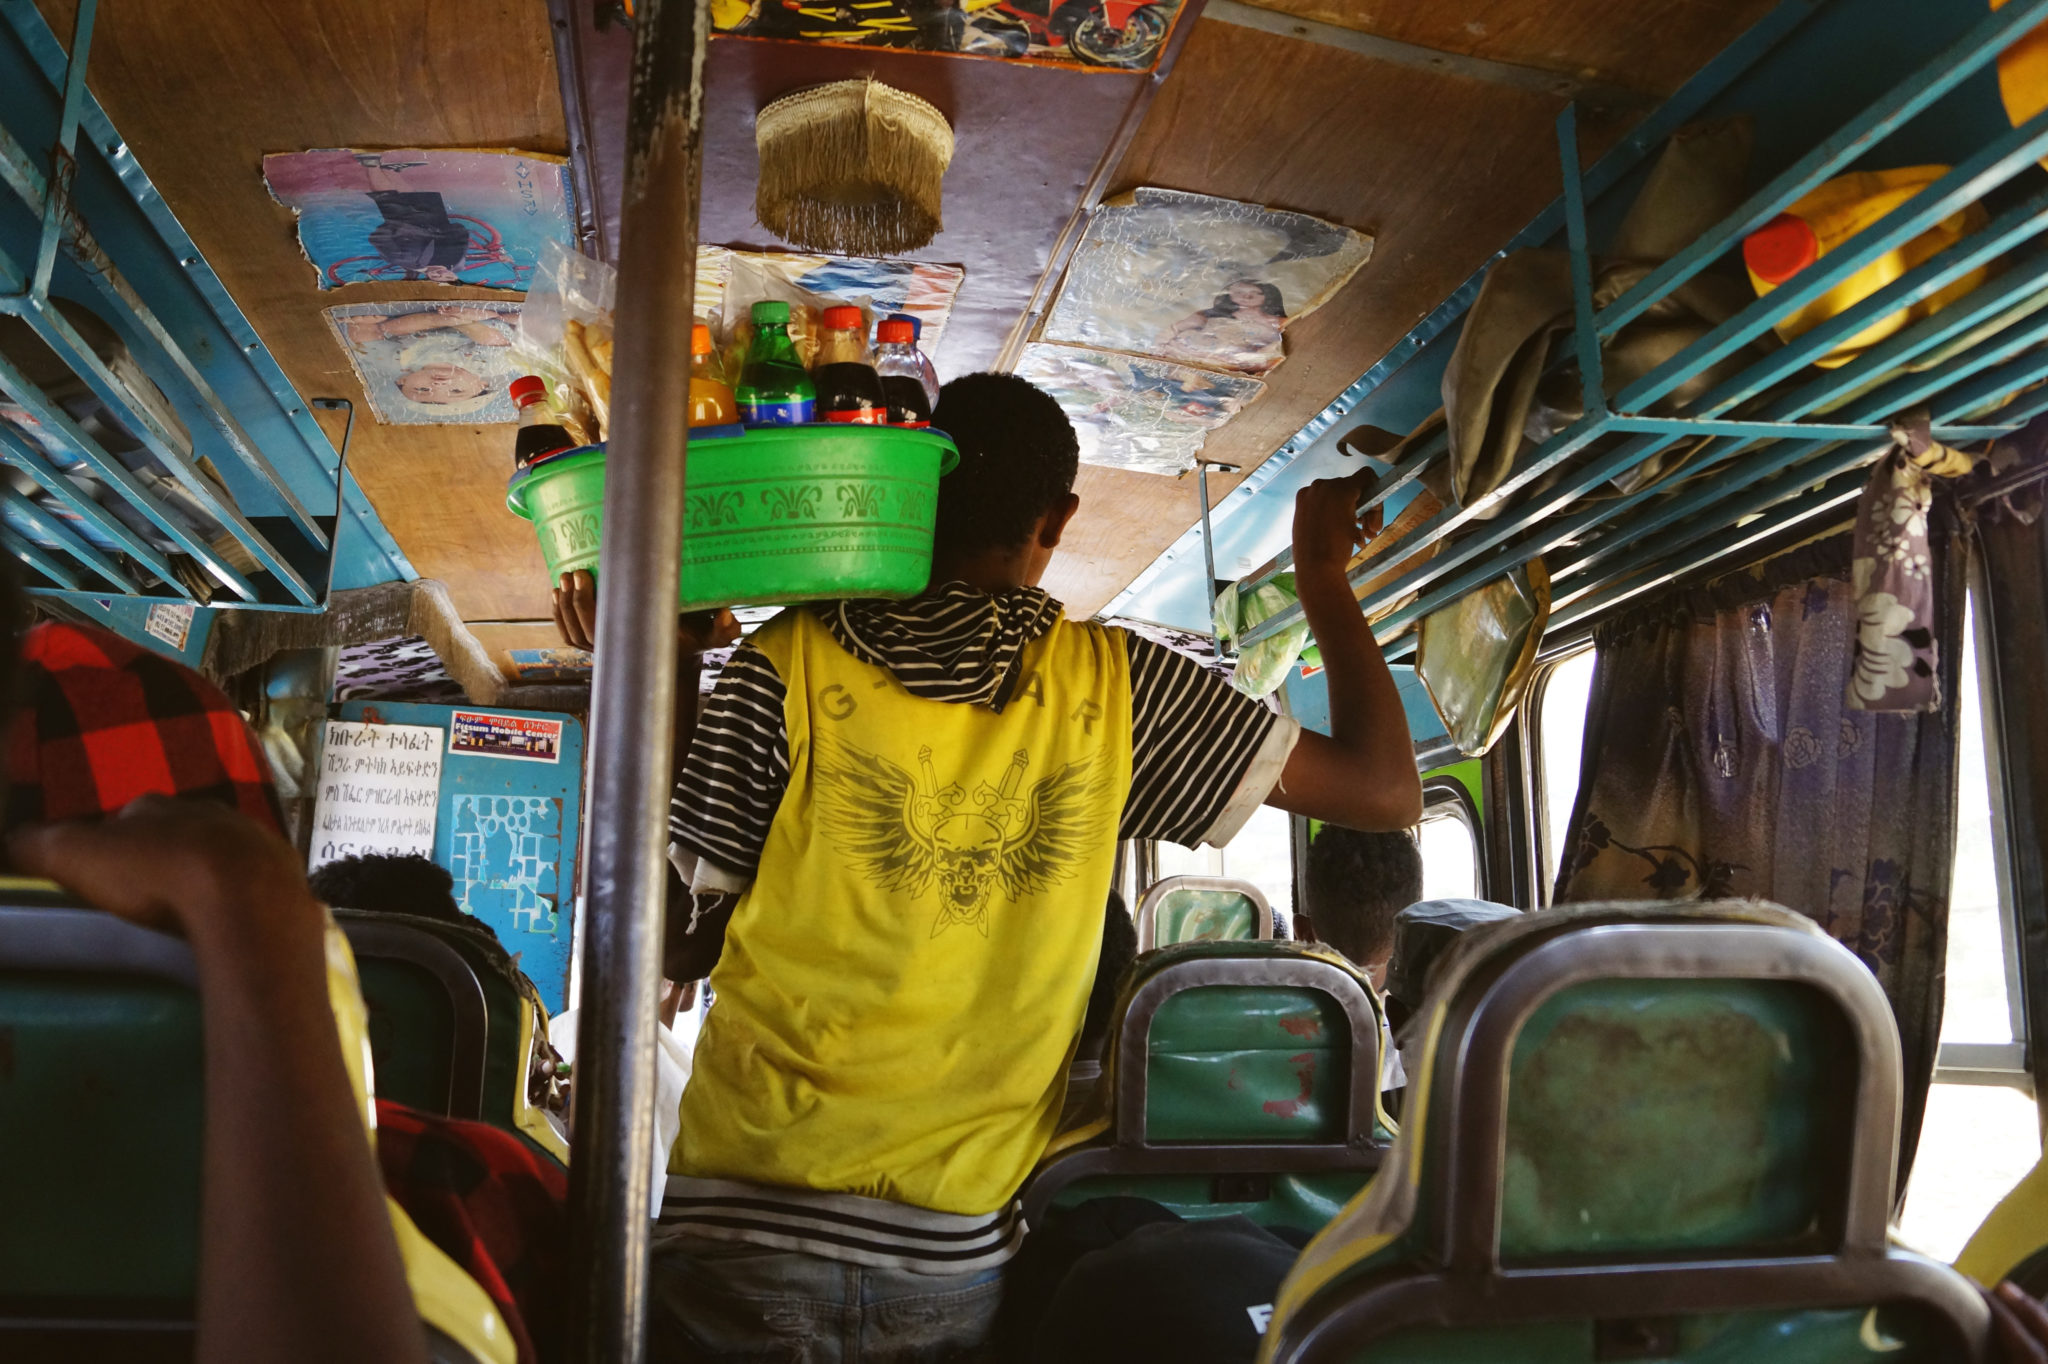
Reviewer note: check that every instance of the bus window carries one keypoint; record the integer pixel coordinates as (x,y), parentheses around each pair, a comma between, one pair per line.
(1450,855)
(1563,725)
(1982,1129)
(1260,854)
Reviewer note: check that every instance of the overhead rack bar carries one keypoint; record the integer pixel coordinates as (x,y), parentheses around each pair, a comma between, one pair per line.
(1750,434)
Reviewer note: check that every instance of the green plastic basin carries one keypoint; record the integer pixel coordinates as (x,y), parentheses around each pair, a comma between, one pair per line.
(773,515)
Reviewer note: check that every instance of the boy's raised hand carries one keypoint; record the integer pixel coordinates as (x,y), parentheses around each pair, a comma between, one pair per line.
(1327,526)
(575,608)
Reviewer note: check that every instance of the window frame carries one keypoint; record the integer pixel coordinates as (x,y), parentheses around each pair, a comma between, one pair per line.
(1993,1063)
(1533,708)
(1445,797)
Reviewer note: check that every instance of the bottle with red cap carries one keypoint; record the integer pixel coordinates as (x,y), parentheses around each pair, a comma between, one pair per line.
(902,367)
(925,371)
(540,435)
(849,389)
(1829,217)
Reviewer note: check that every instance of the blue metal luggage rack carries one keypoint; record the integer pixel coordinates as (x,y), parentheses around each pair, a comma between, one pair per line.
(1799,454)
(83,223)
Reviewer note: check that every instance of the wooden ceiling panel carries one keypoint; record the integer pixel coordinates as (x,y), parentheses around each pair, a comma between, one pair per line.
(201,92)
(1651,46)
(1441,170)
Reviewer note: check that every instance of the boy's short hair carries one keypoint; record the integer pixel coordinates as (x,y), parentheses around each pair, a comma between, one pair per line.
(393,883)
(1356,884)
(1018,458)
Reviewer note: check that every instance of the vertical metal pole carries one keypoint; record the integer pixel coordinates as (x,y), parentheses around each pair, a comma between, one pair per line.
(1208,557)
(632,715)
(1592,384)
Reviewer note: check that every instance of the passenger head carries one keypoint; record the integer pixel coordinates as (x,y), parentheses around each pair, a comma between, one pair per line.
(1423,933)
(391,883)
(1356,884)
(1119,949)
(1011,497)
(99,721)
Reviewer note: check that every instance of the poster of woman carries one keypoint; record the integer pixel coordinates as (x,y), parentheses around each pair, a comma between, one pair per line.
(1200,280)
(423,363)
(436,217)
(1134,413)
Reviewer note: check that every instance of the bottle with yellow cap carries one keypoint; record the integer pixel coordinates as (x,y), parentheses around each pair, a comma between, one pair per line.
(1828,217)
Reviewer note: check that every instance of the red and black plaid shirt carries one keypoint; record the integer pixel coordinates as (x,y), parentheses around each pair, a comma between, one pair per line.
(494,1207)
(99,721)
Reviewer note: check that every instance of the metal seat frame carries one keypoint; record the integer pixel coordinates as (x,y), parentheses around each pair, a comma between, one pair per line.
(1148,908)
(1463,1281)
(1131,1152)
(390,938)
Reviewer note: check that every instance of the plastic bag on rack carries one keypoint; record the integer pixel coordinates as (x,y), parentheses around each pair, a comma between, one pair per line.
(565,337)
(752,278)
(1262,667)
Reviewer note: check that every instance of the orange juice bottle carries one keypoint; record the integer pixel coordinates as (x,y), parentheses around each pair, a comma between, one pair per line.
(1829,216)
(711,400)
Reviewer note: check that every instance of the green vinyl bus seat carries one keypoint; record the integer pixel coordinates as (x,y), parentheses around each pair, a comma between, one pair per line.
(1241,1077)
(1654,1131)
(1182,909)
(102,1101)
(455,1029)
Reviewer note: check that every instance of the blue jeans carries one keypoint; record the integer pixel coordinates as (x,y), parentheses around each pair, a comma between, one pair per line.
(721,1302)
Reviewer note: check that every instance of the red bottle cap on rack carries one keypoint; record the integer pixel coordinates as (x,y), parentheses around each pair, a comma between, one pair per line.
(525,389)
(843,316)
(895,333)
(1780,249)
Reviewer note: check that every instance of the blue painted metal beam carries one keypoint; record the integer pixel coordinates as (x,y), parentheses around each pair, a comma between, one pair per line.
(1706,85)
(63,160)
(1936,78)
(57,421)
(68,540)
(1969,182)
(20,174)
(16,450)
(36,558)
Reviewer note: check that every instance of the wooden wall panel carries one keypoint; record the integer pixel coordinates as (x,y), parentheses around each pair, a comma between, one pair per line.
(1648,45)
(201,92)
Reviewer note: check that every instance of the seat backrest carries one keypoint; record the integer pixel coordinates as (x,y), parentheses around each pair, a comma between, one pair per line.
(453,1026)
(1683,1119)
(1181,909)
(1240,1077)
(100,1099)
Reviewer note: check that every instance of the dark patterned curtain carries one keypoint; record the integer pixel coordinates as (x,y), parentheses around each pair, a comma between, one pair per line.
(1722,758)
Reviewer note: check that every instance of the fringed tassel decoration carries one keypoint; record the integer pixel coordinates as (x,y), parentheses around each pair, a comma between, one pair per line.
(852,168)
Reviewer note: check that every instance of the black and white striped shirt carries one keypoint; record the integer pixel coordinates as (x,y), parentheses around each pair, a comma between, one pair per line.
(1192,737)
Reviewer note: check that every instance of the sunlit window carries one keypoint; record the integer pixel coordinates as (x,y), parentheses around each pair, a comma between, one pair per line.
(1259,854)
(1450,858)
(1978,1138)
(1563,730)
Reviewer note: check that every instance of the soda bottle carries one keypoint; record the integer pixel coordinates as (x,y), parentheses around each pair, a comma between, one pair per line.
(540,435)
(902,367)
(711,400)
(926,373)
(849,390)
(773,388)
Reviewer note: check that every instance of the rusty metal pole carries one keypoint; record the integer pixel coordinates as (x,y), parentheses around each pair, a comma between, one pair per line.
(632,706)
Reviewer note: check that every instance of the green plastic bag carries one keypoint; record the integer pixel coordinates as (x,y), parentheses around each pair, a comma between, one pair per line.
(1265,665)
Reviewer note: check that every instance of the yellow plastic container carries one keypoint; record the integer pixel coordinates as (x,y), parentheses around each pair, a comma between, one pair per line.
(2023,75)
(1830,216)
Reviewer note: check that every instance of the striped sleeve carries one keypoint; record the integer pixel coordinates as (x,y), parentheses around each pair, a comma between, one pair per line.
(737,767)
(1192,740)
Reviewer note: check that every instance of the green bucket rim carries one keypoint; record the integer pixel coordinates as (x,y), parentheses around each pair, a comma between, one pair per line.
(583,456)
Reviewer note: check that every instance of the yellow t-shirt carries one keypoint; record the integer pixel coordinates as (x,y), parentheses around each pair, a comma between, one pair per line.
(902,983)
